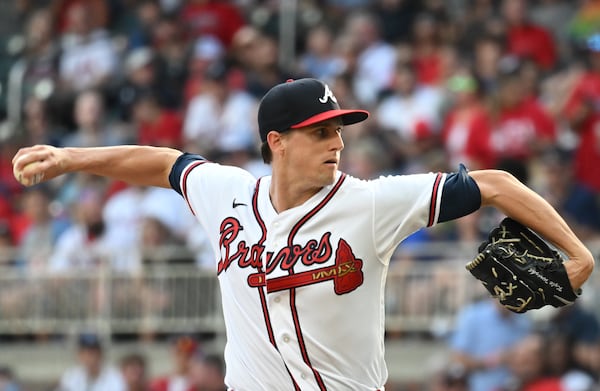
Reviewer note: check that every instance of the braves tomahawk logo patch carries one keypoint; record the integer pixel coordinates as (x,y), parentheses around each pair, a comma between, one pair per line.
(346,272)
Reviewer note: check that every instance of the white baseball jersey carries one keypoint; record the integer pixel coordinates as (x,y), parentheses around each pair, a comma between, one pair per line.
(303,290)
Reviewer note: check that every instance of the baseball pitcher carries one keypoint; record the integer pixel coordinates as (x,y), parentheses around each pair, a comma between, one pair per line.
(302,255)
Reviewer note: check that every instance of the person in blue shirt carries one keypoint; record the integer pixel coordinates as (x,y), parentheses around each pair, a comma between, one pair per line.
(484,334)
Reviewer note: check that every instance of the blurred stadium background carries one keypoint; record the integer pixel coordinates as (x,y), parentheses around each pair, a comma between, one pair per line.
(507,84)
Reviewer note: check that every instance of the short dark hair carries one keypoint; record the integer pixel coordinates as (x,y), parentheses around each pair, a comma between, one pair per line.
(215,361)
(133,358)
(266,152)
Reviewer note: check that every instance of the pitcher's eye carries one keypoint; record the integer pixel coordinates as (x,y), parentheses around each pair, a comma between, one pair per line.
(321,132)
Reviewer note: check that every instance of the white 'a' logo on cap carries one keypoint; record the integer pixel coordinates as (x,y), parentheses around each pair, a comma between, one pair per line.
(327,95)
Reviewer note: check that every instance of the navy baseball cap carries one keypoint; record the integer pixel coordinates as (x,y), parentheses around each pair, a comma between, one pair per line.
(89,341)
(299,103)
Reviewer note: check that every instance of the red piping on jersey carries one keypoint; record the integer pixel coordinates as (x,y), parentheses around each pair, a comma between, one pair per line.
(434,197)
(184,180)
(293,233)
(261,292)
(263,237)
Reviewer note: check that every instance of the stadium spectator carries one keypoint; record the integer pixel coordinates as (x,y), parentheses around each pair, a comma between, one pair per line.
(560,363)
(466,130)
(427,50)
(183,350)
(525,39)
(155,125)
(206,52)
(577,203)
(88,56)
(257,56)
(219,116)
(376,60)
(85,246)
(134,370)
(61,10)
(139,220)
(93,128)
(410,115)
(7,380)
(521,128)
(487,52)
(466,138)
(86,233)
(220,19)
(319,59)
(396,18)
(136,24)
(581,328)
(92,371)
(527,367)
(122,216)
(207,373)
(171,50)
(480,19)
(582,110)
(363,159)
(555,16)
(140,78)
(42,232)
(37,124)
(40,59)
(484,334)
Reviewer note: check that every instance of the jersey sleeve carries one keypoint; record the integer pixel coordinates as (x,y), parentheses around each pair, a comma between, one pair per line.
(402,205)
(405,204)
(206,186)
(460,196)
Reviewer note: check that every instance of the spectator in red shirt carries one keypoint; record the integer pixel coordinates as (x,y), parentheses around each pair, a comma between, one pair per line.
(525,39)
(155,125)
(521,127)
(183,351)
(61,8)
(466,136)
(427,50)
(466,128)
(582,110)
(526,363)
(220,19)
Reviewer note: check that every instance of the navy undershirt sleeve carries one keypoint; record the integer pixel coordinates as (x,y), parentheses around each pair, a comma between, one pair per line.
(460,196)
(177,169)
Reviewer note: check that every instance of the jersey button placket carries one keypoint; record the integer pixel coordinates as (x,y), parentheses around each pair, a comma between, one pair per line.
(279,310)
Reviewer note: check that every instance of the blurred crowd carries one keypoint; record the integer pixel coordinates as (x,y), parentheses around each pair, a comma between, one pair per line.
(189,368)
(493,349)
(509,84)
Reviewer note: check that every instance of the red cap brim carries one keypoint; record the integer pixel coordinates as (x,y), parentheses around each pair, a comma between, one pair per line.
(349,117)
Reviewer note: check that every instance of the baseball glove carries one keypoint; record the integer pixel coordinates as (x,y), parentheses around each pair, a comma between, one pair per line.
(519,268)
